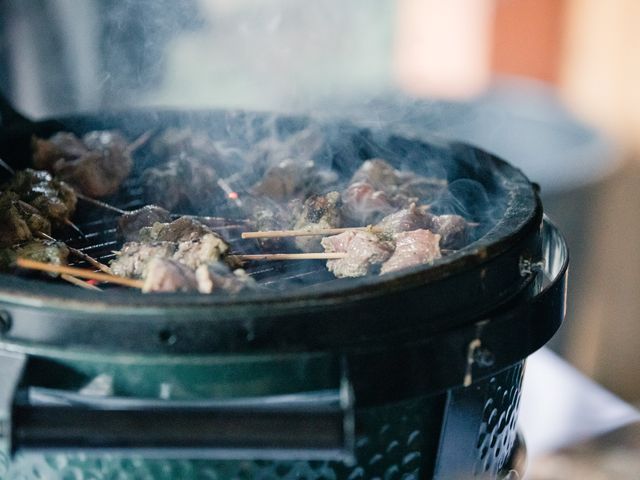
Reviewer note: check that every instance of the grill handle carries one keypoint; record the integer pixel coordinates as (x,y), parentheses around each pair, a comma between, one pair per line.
(315,425)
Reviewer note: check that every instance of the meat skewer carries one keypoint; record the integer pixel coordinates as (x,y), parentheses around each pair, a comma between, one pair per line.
(7,167)
(139,142)
(80,254)
(292,256)
(78,272)
(305,232)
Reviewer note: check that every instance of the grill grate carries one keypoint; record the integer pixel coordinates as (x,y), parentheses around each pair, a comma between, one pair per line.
(100,240)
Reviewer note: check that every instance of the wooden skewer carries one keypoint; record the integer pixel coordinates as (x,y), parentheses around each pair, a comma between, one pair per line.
(80,283)
(139,142)
(293,256)
(69,223)
(101,204)
(7,167)
(78,272)
(239,222)
(80,254)
(306,233)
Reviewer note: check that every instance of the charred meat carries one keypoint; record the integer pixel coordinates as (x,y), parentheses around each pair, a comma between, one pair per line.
(318,211)
(54,199)
(453,230)
(182,179)
(40,250)
(184,240)
(292,178)
(130,223)
(182,229)
(14,227)
(96,165)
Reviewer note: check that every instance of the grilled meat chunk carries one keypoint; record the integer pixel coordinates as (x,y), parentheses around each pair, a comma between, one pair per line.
(397,183)
(406,219)
(184,240)
(40,250)
(134,257)
(377,189)
(363,204)
(130,223)
(14,227)
(318,211)
(365,251)
(202,251)
(180,230)
(217,276)
(36,222)
(292,178)
(62,145)
(54,199)
(453,230)
(412,248)
(182,179)
(165,275)
(96,165)
(47,251)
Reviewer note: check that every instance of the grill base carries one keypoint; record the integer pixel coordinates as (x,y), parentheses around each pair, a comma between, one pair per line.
(466,432)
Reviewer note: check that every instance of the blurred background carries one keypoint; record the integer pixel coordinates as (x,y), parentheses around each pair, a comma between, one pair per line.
(550,85)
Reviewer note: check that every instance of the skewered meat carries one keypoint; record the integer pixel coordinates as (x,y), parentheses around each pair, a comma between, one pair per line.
(377,189)
(184,240)
(183,178)
(95,165)
(318,211)
(382,176)
(267,215)
(62,145)
(47,251)
(165,275)
(14,227)
(363,204)
(206,249)
(180,230)
(53,198)
(40,250)
(130,223)
(34,219)
(410,218)
(453,230)
(218,276)
(134,257)
(365,251)
(412,248)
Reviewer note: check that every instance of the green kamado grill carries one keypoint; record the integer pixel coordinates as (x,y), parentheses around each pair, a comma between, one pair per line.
(410,375)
